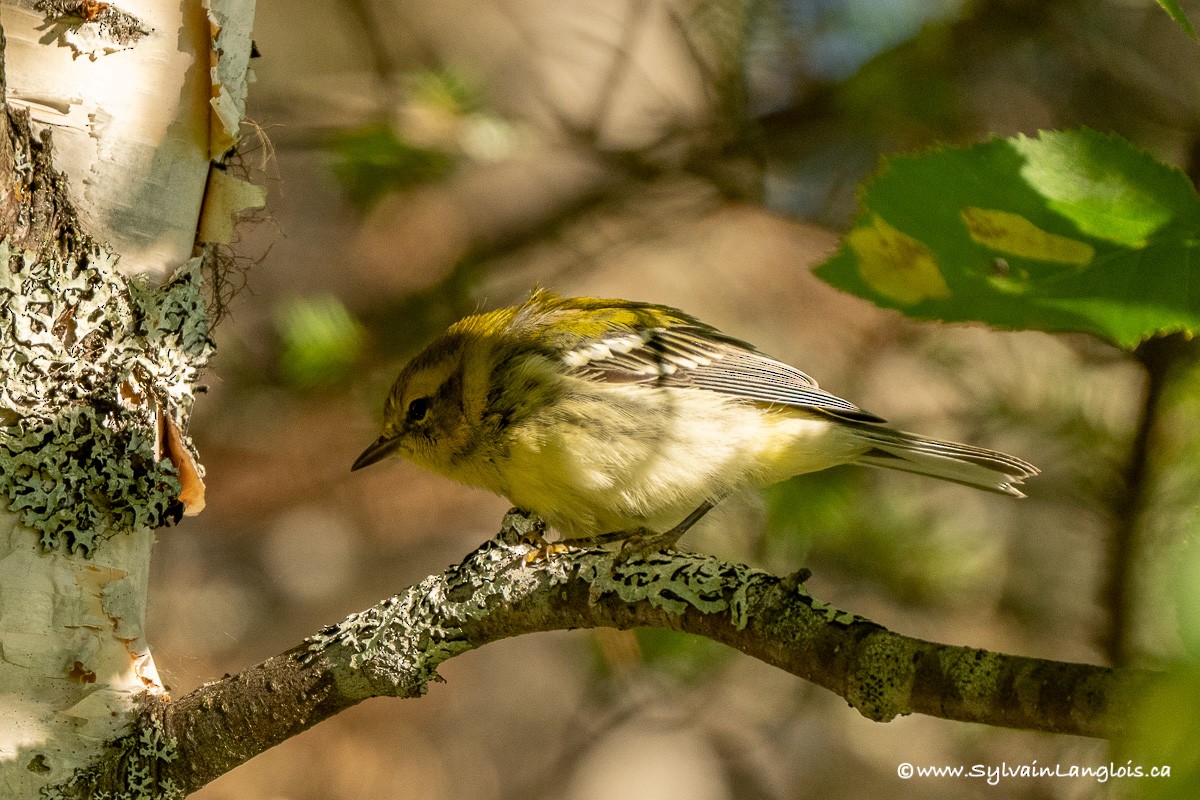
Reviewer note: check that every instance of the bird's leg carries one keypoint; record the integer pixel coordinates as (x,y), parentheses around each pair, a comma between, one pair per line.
(639,541)
(646,542)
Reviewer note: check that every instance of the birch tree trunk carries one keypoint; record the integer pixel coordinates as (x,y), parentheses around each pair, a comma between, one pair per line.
(111,214)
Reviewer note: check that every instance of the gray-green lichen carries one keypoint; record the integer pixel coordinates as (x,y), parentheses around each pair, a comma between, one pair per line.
(977,673)
(831,613)
(883,691)
(130,773)
(88,358)
(406,637)
(675,581)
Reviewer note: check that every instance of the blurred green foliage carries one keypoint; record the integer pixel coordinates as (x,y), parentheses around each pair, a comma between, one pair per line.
(1164,731)
(420,146)
(446,90)
(834,519)
(681,655)
(909,92)
(373,160)
(321,342)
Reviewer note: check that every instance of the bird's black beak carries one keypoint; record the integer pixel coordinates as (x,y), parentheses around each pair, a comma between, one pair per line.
(383,447)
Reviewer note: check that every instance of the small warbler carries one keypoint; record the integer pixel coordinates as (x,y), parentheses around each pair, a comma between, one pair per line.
(613,419)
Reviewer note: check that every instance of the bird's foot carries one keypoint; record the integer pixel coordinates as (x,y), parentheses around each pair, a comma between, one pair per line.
(543,550)
(633,542)
(522,527)
(642,543)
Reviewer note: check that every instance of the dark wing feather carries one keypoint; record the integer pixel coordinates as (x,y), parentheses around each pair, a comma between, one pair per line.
(696,356)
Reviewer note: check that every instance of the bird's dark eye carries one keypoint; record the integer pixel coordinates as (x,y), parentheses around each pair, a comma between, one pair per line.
(418,409)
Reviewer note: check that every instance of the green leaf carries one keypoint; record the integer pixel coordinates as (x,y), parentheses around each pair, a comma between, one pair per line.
(1172,8)
(1071,231)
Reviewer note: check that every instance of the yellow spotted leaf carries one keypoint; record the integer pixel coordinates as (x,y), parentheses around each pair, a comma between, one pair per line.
(896,265)
(1015,235)
(1068,231)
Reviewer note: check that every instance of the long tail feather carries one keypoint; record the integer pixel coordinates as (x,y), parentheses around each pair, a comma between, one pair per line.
(949,461)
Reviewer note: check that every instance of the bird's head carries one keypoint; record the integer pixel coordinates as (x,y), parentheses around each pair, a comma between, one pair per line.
(432,412)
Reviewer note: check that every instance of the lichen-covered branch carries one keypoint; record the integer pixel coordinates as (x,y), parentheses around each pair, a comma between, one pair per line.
(394,649)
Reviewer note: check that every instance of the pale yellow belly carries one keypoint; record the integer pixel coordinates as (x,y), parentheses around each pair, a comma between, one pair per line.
(625,457)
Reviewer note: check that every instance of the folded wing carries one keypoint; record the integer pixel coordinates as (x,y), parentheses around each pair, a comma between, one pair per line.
(699,357)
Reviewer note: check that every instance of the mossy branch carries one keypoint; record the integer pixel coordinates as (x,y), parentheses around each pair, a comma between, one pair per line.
(394,648)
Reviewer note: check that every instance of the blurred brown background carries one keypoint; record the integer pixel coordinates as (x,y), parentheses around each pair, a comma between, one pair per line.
(426,160)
